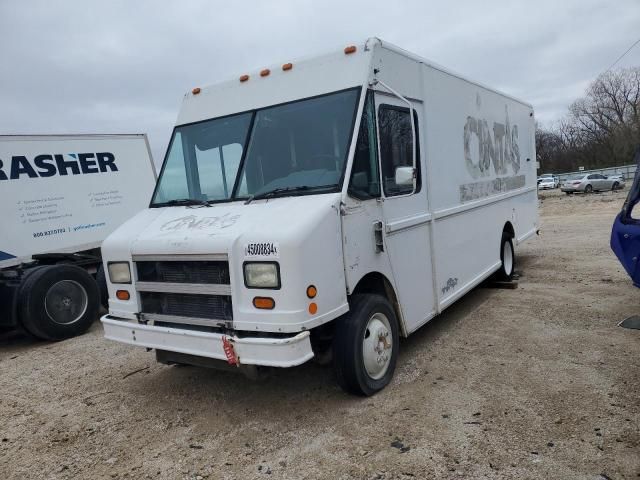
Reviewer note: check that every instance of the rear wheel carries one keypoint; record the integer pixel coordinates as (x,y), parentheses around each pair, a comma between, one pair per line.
(57,302)
(507,258)
(365,345)
(588,189)
(615,186)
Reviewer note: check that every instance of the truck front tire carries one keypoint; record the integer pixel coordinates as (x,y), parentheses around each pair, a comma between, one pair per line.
(365,345)
(57,302)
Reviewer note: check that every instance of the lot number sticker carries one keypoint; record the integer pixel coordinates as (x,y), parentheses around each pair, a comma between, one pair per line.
(262,249)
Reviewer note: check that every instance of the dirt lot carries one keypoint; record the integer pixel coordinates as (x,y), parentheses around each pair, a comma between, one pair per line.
(536,382)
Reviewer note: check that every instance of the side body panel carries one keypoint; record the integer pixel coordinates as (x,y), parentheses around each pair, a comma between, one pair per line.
(478,173)
(480,147)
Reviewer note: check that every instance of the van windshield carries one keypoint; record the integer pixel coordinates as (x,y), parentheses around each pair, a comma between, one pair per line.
(294,148)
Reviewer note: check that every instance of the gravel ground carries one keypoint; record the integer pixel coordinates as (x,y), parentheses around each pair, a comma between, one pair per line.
(536,382)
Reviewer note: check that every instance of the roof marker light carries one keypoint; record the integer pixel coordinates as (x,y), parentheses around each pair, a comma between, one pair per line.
(287,66)
(350,49)
(244,78)
(265,72)
(196,91)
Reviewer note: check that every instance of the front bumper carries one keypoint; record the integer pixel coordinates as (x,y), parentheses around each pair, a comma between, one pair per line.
(269,352)
(570,189)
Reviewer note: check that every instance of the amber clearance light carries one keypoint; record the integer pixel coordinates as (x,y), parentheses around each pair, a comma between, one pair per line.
(122,295)
(264,303)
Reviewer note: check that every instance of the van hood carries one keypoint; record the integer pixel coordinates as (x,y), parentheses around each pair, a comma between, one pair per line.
(215,229)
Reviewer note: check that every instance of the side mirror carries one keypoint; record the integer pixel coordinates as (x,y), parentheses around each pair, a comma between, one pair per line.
(404,176)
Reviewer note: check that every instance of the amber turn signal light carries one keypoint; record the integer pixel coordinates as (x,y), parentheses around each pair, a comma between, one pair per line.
(264,303)
(196,91)
(122,295)
(265,72)
(313,308)
(312,291)
(350,49)
(244,78)
(287,66)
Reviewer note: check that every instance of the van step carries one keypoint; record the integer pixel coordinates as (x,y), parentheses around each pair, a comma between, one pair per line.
(506,285)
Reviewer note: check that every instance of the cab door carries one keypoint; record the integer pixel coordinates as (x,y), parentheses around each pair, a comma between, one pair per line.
(406,218)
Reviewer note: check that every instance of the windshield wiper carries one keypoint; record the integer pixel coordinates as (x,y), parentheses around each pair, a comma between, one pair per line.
(179,202)
(283,190)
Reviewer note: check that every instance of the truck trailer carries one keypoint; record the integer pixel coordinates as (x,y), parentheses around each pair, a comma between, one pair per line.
(60,196)
(323,209)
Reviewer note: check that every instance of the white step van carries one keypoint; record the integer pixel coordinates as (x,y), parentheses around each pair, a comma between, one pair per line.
(327,206)
(60,196)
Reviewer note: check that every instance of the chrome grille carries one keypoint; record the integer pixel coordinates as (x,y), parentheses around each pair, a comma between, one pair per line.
(212,307)
(184,272)
(186,289)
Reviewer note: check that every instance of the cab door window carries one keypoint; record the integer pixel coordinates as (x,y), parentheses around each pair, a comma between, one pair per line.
(396,147)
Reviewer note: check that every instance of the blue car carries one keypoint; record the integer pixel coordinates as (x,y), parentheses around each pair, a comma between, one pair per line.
(625,234)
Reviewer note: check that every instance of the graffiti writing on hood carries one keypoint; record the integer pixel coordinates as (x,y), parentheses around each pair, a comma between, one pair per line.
(497,146)
(191,222)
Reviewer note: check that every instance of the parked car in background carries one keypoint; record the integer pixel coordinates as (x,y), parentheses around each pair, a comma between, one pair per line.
(588,183)
(619,179)
(548,181)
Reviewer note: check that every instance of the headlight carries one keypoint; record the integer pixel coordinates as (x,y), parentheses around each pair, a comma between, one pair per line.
(119,272)
(262,275)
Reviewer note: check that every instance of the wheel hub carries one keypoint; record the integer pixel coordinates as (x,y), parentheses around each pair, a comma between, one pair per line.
(66,302)
(507,258)
(377,346)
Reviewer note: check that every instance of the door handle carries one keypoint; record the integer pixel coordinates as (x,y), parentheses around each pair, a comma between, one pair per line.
(377,235)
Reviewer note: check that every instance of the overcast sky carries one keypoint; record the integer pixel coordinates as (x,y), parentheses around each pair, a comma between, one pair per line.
(123,66)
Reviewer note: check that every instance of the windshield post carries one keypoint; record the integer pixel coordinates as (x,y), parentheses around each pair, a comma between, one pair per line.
(224,172)
(191,172)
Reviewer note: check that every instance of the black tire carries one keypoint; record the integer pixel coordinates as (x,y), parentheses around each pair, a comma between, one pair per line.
(101,281)
(69,291)
(615,186)
(588,189)
(348,357)
(505,273)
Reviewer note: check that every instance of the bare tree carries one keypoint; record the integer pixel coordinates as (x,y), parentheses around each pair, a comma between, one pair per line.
(601,129)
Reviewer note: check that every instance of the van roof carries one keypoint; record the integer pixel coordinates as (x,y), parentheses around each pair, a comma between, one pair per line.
(307,77)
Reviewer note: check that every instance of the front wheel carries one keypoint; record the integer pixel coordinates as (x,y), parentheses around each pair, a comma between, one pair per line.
(615,186)
(507,258)
(588,189)
(365,345)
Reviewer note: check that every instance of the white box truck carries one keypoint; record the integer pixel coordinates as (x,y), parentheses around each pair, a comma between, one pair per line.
(60,196)
(324,206)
